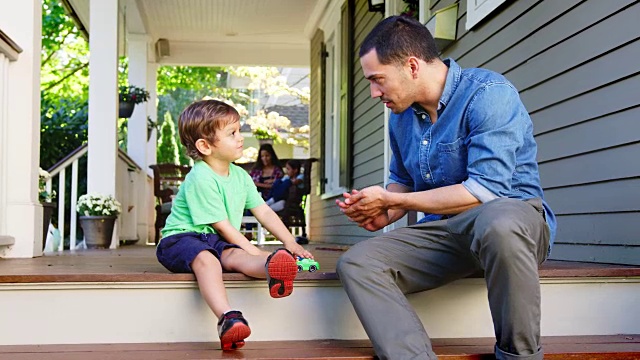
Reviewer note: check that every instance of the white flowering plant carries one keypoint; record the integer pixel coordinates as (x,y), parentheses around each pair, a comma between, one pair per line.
(265,125)
(98,205)
(43,194)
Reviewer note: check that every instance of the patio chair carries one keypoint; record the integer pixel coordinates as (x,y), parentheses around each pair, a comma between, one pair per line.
(293,215)
(166,181)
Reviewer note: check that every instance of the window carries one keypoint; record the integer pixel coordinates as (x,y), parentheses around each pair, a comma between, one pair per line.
(333,115)
(337,112)
(479,9)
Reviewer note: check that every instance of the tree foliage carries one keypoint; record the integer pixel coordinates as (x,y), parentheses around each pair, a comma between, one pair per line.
(167,145)
(64,85)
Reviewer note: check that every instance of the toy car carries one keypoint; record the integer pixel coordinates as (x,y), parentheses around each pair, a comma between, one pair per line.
(308,264)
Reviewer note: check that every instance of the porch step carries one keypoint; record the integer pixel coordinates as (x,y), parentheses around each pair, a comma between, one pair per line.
(616,347)
(124,296)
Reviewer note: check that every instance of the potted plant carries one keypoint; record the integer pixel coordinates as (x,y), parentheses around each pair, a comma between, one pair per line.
(46,200)
(130,95)
(98,214)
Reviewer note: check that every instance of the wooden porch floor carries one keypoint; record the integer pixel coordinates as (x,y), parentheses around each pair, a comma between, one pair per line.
(138,264)
(613,347)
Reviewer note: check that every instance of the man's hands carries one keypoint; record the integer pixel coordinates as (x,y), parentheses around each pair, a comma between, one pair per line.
(368,207)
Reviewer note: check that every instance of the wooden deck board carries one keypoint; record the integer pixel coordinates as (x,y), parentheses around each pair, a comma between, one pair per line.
(556,347)
(139,264)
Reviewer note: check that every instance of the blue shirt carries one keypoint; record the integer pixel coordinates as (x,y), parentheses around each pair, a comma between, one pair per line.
(482,139)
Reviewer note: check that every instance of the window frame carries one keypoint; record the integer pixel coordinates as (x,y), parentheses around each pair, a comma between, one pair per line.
(482,9)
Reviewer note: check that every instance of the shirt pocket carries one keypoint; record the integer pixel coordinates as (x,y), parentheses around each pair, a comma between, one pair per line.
(453,161)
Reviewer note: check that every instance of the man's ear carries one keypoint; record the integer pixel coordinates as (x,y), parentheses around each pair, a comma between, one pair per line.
(203,147)
(414,66)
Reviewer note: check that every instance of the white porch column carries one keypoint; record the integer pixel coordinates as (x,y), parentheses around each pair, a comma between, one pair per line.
(152,144)
(103,99)
(152,111)
(137,50)
(22,21)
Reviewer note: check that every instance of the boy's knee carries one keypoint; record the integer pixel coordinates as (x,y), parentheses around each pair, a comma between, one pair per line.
(204,260)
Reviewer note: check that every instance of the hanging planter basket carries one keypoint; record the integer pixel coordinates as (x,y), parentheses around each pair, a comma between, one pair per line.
(126,109)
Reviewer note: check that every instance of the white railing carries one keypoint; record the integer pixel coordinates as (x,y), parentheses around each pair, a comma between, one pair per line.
(130,181)
(59,170)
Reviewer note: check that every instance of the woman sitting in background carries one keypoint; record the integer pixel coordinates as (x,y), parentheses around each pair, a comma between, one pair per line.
(266,170)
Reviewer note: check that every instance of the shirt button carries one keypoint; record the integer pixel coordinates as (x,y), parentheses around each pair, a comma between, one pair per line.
(424,116)
(428,176)
(425,142)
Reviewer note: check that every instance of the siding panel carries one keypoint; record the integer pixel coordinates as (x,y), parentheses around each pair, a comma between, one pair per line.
(582,79)
(575,63)
(600,229)
(612,196)
(610,130)
(581,18)
(597,253)
(616,163)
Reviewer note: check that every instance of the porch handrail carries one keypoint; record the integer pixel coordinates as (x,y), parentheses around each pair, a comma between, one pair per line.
(60,169)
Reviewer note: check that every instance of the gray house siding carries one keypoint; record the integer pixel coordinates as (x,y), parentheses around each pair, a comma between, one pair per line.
(575,64)
(327,224)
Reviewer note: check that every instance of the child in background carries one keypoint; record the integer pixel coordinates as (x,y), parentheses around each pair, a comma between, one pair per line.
(202,234)
(280,188)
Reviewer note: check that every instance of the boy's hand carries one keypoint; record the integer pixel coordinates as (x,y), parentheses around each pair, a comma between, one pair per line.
(298,250)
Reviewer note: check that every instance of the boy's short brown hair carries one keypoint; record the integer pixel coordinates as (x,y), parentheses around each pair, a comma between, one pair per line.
(201,120)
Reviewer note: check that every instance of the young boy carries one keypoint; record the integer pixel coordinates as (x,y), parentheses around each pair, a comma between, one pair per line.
(201,234)
(280,188)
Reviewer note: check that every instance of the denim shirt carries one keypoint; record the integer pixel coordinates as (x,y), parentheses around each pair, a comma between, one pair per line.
(482,139)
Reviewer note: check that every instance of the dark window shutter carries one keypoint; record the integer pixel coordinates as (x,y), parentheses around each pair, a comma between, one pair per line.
(317,102)
(346,92)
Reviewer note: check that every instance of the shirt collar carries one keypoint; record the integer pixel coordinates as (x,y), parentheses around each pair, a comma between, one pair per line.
(451,83)
(453,79)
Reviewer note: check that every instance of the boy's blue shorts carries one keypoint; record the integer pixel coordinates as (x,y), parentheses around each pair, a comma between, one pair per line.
(177,252)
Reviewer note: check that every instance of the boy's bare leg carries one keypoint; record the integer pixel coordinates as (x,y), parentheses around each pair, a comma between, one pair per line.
(238,260)
(208,271)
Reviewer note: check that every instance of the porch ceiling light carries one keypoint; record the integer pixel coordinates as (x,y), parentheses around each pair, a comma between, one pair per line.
(162,48)
(376,5)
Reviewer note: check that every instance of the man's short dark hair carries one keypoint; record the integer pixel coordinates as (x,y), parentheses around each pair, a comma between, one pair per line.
(398,37)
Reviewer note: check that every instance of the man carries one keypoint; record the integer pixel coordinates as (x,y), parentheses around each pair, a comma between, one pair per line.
(464,154)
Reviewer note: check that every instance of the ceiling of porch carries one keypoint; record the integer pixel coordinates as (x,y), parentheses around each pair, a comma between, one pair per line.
(221,32)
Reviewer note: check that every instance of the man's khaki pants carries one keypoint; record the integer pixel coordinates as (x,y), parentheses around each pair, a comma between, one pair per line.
(507,238)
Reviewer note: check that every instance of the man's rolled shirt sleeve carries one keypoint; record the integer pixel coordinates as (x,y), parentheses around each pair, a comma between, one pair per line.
(496,120)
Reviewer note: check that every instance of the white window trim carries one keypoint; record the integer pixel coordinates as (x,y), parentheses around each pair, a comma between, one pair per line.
(479,9)
(331,26)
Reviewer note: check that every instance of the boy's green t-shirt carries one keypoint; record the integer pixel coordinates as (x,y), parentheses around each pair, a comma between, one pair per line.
(205,198)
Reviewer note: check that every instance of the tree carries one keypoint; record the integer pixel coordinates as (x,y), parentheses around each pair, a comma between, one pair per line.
(167,145)
(64,85)
(270,125)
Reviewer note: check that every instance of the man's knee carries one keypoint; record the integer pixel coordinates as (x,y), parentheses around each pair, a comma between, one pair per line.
(503,228)
(355,259)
